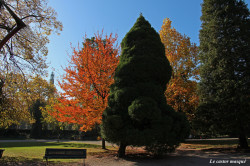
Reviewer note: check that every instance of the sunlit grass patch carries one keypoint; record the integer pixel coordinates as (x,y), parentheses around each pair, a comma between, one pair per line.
(34,151)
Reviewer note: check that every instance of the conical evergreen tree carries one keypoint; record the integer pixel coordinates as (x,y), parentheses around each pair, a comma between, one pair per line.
(225,68)
(137,112)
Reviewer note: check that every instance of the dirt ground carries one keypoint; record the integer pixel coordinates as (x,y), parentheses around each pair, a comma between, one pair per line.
(179,158)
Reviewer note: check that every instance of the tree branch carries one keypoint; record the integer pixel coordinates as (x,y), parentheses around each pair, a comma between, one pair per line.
(32,15)
(19,22)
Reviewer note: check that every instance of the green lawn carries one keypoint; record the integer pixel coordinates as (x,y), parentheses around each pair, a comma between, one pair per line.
(34,151)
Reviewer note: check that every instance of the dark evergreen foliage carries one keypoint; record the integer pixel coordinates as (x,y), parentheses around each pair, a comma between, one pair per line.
(37,127)
(137,112)
(225,68)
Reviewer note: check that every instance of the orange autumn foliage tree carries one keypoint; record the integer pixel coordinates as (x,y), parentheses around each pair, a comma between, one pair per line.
(87,81)
(183,56)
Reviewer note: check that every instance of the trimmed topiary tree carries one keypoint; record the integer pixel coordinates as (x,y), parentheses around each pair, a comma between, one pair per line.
(137,112)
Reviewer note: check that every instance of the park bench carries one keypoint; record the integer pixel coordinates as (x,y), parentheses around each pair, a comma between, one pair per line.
(52,153)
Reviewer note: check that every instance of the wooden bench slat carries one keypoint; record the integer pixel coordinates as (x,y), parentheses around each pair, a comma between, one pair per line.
(64,157)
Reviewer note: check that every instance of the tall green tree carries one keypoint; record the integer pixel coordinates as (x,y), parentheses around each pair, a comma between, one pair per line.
(224,88)
(137,112)
(35,110)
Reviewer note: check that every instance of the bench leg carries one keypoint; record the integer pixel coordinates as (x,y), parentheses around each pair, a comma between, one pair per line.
(83,162)
(47,163)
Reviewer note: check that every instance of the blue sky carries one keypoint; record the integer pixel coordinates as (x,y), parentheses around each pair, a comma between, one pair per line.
(80,17)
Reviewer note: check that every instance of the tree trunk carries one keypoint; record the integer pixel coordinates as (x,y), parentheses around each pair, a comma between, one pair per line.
(121,151)
(103,144)
(243,144)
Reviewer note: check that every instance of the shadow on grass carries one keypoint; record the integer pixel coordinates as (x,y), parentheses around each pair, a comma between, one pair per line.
(47,144)
(11,161)
(228,150)
(105,153)
(23,161)
(214,142)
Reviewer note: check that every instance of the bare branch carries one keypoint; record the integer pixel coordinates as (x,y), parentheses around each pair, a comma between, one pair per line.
(5,27)
(12,59)
(32,15)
